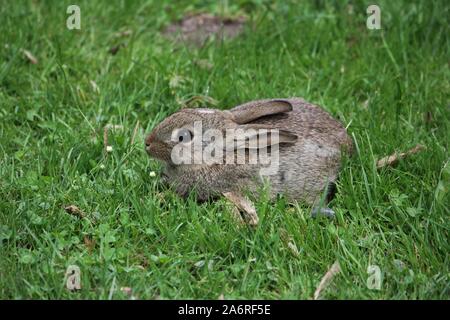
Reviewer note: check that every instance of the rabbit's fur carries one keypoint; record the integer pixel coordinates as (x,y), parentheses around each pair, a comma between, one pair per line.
(310,148)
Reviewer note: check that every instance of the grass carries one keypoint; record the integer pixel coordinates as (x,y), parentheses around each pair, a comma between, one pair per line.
(390,87)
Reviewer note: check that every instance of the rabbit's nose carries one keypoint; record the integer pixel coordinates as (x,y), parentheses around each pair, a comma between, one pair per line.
(148,141)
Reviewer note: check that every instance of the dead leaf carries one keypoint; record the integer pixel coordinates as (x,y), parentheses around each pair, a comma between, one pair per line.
(75,211)
(245,205)
(196,29)
(394,158)
(89,243)
(30,56)
(221,297)
(326,280)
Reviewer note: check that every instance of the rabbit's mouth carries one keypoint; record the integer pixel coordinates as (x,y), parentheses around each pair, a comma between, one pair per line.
(157,151)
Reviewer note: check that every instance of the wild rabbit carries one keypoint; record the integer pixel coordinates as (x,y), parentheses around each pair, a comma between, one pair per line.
(220,152)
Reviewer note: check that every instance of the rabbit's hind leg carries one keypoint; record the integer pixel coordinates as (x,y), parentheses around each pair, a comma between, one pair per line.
(320,211)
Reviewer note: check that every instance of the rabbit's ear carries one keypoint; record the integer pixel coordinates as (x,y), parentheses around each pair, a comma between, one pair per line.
(254,136)
(251,111)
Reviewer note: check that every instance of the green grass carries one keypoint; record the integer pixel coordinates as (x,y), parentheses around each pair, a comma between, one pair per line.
(390,86)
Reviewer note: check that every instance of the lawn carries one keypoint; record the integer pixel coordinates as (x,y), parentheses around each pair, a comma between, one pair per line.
(390,87)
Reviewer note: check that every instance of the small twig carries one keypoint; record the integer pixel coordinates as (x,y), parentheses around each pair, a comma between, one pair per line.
(393,159)
(135,132)
(326,280)
(105,137)
(30,56)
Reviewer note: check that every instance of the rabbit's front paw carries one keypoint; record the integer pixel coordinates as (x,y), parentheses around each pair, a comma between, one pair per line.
(245,206)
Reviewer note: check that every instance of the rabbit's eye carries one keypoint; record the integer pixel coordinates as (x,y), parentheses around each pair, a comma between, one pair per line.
(184,135)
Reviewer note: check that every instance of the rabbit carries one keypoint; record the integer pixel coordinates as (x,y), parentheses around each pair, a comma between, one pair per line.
(308,140)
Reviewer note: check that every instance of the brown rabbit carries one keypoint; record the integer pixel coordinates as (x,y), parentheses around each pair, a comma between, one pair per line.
(308,142)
